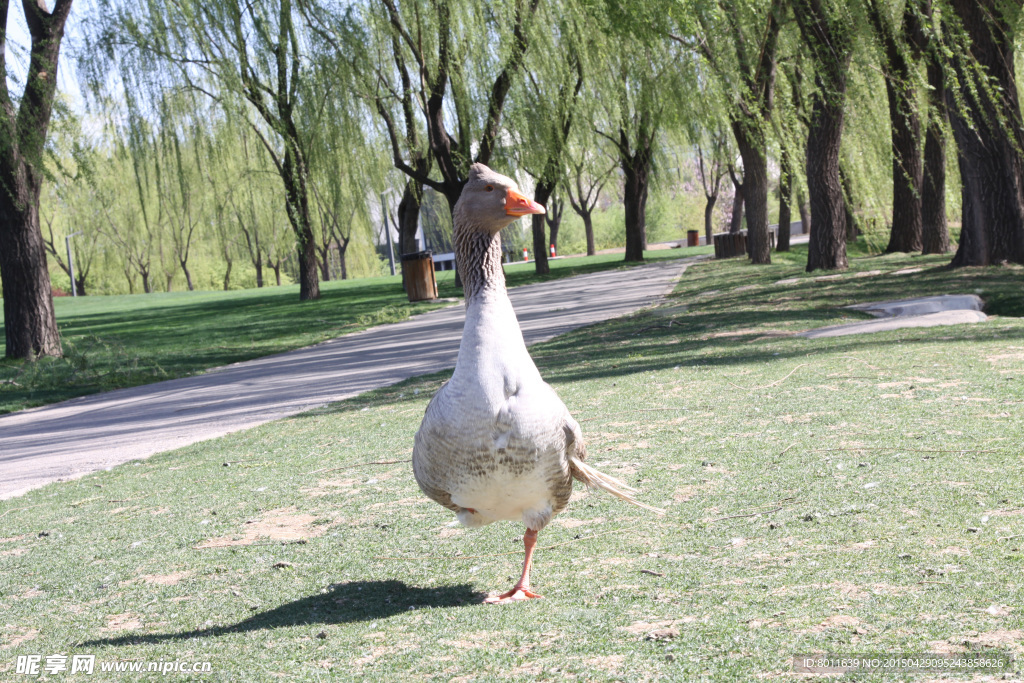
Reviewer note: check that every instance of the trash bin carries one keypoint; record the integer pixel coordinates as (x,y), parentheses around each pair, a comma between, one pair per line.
(692,238)
(418,274)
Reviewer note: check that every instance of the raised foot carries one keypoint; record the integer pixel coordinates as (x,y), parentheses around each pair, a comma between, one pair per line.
(517,594)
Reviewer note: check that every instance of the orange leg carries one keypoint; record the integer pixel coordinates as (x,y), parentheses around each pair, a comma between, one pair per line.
(521,591)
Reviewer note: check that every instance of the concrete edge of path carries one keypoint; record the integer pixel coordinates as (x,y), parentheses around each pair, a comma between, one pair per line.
(896,323)
(921,306)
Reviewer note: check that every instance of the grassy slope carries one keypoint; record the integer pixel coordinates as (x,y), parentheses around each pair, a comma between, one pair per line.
(120,341)
(888,467)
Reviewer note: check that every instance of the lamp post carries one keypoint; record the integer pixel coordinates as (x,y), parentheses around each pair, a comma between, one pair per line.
(71,262)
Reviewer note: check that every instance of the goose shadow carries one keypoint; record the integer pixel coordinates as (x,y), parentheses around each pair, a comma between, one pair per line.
(342,603)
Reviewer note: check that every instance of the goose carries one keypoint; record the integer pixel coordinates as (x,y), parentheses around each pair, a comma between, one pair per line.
(496,442)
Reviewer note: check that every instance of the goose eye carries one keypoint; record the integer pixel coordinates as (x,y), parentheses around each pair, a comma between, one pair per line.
(489,188)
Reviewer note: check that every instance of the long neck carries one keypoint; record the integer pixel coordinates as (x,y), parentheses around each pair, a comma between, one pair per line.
(478,256)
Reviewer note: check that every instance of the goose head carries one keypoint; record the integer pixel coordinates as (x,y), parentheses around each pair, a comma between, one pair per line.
(491,201)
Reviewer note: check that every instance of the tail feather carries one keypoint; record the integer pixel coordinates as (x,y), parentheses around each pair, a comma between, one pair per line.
(583,472)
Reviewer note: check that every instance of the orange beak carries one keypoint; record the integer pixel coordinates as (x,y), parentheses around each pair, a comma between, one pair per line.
(518,205)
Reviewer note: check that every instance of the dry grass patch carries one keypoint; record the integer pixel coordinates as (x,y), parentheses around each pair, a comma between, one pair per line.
(1000,639)
(171,579)
(845,621)
(23,637)
(285,524)
(609,663)
(122,622)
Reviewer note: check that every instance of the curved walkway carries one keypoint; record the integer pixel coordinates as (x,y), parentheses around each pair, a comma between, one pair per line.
(83,435)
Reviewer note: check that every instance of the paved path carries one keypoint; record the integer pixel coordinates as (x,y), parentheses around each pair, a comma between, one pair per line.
(83,435)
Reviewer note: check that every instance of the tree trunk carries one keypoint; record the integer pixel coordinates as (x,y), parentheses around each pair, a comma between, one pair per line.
(295,175)
(188,276)
(29,320)
(227,276)
(828,37)
(988,135)
(537,224)
(80,286)
(259,271)
(553,218)
(325,264)
(755,193)
(30,325)
(588,230)
(736,223)
(637,168)
(409,217)
(899,66)
(907,171)
(146,286)
(934,229)
(709,218)
(785,201)
(805,212)
(341,261)
(849,207)
(827,246)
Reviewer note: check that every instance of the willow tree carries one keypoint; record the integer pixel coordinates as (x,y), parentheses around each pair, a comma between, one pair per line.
(988,127)
(711,148)
(542,113)
(387,81)
(902,42)
(590,169)
(934,228)
(739,39)
(30,325)
(467,56)
(828,29)
(634,87)
(247,57)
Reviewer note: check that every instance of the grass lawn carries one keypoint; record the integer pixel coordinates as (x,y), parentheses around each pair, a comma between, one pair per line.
(120,341)
(858,494)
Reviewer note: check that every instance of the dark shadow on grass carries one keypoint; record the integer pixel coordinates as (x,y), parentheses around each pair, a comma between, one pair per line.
(344,603)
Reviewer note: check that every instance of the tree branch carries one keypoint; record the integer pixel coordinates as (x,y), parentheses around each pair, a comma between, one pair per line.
(503,83)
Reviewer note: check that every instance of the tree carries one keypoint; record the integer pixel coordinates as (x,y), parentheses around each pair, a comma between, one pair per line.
(542,116)
(83,250)
(248,58)
(448,86)
(934,229)
(178,184)
(711,167)
(791,122)
(901,55)
(123,194)
(67,205)
(29,322)
(736,217)
(740,40)
(584,189)
(827,29)
(553,218)
(635,78)
(986,117)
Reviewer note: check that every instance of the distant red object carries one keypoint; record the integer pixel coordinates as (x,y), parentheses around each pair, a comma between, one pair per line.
(526,254)
(552,251)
